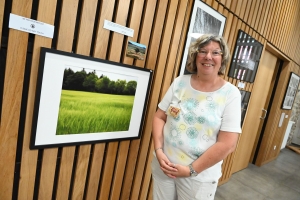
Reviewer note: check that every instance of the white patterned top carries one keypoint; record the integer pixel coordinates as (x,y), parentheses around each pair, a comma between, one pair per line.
(196,127)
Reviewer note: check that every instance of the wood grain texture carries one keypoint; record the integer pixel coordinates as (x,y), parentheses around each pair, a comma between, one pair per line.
(151,64)
(64,43)
(12,95)
(2,3)
(27,171)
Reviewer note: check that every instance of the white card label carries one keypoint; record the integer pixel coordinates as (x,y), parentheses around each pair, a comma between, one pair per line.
(241,85)
(30,26)
(118,28)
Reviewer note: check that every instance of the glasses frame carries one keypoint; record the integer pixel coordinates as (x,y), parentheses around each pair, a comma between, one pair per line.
(202,54)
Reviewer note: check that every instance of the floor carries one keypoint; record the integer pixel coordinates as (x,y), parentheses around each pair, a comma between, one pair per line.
(276,180)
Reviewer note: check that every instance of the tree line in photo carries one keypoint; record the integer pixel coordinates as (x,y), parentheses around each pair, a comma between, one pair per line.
(90,82)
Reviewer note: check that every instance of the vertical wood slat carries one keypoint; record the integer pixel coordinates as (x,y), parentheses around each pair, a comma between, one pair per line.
(64,42)
(260,14)
(135,20)
(100,50)
(270,21)
(2,3)
(265,12)
(165,46)
(50,155)
(254,13)
(275,27)
(280,29)
(134,145)
(117,39)
(151,64)
(170,63)
(12,95)
(290,27)
(83,47)
(146,28)
(27,171)
(181,46)
(287,26)
(120,165)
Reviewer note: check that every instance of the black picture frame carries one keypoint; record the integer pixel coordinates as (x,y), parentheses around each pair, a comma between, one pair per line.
(85,100)
(290,92)
(204,20)
(245,97)
(246,57)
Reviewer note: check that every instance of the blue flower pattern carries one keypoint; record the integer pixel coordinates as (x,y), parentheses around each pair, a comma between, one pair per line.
(199,116)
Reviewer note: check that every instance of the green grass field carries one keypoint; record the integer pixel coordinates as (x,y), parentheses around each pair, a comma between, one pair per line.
(87,112)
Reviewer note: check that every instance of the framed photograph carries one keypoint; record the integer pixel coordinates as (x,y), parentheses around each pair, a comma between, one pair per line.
(246,57)
(136,50)
(290,92)
(204,20)
(84,100)
(245,97)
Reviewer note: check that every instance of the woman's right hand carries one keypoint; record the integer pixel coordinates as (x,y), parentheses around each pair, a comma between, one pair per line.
(164,163)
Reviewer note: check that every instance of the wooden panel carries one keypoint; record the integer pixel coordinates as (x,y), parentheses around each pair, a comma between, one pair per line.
(263,20)
(100,51)
(134,145)
(260,14)
(115,55)
(47,10)
(243,8)
(102,37)
(12,95)
(108,170)
(151,63)
(2,3)
(146,28)
(27,172)
(120,165)
(64,42)
(270,21)
(279,28)
(83,47)
(275,27)
(94,176)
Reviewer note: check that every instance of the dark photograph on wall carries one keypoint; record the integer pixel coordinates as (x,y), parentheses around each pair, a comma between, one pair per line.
(204,20)
(290,92)
(245,96)
(85,100)
(246,57)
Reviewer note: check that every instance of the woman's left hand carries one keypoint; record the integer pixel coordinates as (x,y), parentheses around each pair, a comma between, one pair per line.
(182,170)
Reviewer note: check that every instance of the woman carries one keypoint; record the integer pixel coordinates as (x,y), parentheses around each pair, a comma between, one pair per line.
(196,125)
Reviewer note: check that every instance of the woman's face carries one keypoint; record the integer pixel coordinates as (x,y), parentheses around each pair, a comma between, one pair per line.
(209,59)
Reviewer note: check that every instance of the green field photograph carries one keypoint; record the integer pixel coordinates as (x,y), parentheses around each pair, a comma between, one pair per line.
(94,102)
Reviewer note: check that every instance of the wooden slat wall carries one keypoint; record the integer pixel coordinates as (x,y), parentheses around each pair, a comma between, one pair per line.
(114,170)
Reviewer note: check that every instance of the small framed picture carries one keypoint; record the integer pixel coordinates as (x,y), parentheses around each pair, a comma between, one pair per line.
(291,91)
(84,100)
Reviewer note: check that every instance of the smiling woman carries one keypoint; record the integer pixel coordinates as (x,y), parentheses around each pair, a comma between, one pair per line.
(193,143)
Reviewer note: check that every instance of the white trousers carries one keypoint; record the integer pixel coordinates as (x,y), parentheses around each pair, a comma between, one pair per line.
(165,188)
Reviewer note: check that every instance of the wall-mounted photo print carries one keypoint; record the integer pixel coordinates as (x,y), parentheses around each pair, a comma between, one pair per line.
(204,20)
(136,50)
(246,57)
(81,100)
(291,91)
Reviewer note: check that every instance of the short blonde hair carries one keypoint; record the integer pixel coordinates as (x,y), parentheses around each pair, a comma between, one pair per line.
(201,42)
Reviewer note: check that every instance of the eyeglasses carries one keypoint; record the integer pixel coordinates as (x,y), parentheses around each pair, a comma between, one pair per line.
(215,53)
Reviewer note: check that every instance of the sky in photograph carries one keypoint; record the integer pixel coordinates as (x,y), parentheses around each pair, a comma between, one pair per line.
(111,76)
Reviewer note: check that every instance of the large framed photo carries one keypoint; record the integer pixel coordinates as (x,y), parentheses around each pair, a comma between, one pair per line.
(291,91)
(246,58)
(84,100)
(204,20)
